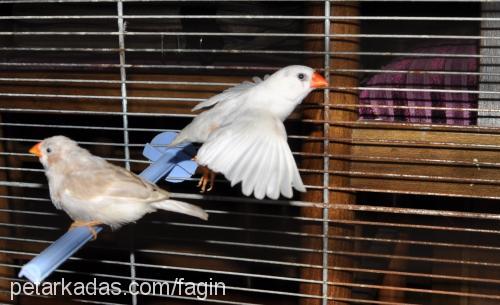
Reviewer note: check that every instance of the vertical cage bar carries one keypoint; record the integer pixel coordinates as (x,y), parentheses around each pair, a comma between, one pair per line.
(326,159)
(316,44)
(123,79)
(123,88)
(341,288)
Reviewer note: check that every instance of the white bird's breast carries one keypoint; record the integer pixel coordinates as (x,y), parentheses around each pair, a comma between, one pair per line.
(268,101)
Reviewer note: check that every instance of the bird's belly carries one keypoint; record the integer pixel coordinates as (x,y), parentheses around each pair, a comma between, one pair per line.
(118,214)
(78,210)
(114,214)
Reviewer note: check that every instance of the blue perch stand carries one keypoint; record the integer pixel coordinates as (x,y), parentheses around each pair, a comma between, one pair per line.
(175,163)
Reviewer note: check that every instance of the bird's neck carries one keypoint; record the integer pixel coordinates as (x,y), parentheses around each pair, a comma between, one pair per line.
(62,167)
(283,107)
(280,105)
(282,110)
(75,161)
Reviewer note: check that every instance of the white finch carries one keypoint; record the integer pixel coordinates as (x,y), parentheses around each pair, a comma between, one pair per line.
(243,134)
(94,192)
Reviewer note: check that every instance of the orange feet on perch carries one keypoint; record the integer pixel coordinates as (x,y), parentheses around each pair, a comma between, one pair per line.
(207,178)
(89,224)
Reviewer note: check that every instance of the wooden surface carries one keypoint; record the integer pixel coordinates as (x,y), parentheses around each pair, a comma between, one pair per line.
(410,175)
(110,90)
(395,280)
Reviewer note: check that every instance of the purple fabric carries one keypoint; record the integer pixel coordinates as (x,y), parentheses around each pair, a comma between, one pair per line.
(454,114)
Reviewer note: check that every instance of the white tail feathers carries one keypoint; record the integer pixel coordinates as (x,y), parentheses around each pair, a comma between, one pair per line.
(181,207)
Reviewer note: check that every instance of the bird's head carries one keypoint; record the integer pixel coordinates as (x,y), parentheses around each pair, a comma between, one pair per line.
(296,82)
(54,150)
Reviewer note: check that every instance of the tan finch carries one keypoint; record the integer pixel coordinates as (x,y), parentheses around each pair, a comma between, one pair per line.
(94,192)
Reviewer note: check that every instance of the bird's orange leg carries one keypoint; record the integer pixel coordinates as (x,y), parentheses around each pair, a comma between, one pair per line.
(207,178)
(89,224)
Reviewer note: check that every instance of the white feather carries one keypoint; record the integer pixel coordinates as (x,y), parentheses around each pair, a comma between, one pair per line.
(181,207)
(239,171)
(243,135)
(259,156)
(260,185)
(285,186)
(228,94)
(271,189)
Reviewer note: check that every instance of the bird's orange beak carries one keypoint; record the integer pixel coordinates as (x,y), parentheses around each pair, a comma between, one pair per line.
(36,150)
(318,81)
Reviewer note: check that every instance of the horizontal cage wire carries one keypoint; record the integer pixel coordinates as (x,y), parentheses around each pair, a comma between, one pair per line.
(399,154)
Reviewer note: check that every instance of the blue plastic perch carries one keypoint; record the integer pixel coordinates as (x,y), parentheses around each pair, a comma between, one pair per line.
(173,162)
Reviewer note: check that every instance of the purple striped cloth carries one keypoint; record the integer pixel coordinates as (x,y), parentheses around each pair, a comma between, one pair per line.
(423,106)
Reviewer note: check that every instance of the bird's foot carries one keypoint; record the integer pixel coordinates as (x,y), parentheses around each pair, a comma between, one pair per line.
(207,178)
(89,224)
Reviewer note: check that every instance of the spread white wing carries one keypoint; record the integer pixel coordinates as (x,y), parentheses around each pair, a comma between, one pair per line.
(228,94)
(253,150)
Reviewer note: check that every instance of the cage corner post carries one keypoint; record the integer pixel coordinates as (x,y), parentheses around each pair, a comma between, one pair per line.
(333,281)
(489,79)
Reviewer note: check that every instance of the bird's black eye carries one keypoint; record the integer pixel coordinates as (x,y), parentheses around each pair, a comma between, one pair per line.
(301,76)
(48,150)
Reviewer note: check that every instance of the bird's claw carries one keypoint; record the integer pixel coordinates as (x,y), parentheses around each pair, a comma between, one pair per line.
(207,178)
(89,224)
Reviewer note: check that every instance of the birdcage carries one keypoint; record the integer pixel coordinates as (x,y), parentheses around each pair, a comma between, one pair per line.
(399,155)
